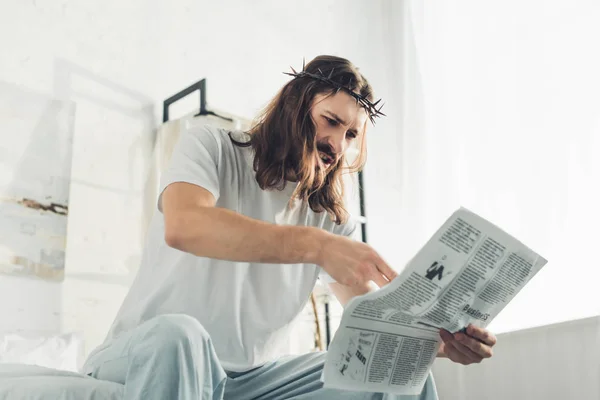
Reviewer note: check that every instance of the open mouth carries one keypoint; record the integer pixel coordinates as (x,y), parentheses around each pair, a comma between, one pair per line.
(326,158)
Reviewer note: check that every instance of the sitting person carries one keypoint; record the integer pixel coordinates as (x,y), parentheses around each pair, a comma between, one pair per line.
(248,221)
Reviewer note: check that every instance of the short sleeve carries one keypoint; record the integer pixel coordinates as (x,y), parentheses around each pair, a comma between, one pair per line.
(349,230)
(195,159)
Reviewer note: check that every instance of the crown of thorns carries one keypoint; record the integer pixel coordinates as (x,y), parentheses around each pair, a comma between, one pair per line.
(371,108)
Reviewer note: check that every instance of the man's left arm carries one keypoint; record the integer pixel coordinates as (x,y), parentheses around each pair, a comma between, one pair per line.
(345,293)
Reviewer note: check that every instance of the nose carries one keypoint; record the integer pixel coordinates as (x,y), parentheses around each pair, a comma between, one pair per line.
(337,141)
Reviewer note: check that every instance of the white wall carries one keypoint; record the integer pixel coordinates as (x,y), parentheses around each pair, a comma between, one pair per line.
(117,61)
(509,128)
(554,362)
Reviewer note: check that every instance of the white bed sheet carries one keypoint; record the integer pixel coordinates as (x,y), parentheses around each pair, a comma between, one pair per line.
(30,382)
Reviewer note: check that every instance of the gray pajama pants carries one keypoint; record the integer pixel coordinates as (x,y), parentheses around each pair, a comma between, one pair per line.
(172,357)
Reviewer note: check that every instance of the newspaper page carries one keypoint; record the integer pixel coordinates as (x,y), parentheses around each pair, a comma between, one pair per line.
(465,274)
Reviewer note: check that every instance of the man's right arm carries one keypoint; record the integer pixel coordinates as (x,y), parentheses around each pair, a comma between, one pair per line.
(193,224)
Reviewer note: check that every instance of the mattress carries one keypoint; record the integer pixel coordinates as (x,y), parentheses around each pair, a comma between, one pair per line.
(29,382)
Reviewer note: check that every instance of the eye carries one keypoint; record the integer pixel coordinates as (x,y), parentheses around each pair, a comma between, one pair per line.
(351,134)
(332,122)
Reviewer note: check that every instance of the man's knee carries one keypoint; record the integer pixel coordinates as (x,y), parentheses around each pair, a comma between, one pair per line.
(178,329)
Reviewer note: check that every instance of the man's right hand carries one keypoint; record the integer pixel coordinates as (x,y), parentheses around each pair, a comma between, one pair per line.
(353,263)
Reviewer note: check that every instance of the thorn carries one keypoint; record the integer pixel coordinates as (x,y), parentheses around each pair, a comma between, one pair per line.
(321,72)
(331,73)
(303,64)
(377,102)
(293,69)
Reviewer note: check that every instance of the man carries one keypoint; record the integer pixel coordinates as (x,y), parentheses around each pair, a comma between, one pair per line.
(247,223)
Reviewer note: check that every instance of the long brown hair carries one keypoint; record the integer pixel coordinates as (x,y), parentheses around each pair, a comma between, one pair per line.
(284,138)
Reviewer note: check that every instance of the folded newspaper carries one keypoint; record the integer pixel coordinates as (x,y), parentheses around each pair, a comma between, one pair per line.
(465,274)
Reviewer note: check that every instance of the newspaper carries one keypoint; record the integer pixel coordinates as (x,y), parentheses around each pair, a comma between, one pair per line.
(465,274)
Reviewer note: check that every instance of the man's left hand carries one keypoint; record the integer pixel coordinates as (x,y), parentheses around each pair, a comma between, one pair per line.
(467,349)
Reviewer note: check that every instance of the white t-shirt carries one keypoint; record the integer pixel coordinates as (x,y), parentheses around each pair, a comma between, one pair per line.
(246,308)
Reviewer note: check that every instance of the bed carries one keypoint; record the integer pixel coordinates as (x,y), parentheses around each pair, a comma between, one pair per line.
(32,382)
(45,367)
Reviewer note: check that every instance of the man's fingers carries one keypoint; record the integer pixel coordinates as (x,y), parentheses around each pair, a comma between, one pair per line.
(446,336)
(482,334)
(379,280)
(386,270)
(468,353)
(455,354)
(463,349)
(481,349)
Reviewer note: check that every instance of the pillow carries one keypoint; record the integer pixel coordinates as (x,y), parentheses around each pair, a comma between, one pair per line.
(62,351)
(28,382)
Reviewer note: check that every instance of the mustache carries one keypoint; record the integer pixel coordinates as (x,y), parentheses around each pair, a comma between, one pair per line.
(326,149)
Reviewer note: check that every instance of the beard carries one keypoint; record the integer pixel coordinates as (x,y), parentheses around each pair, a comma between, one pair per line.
(326,157)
